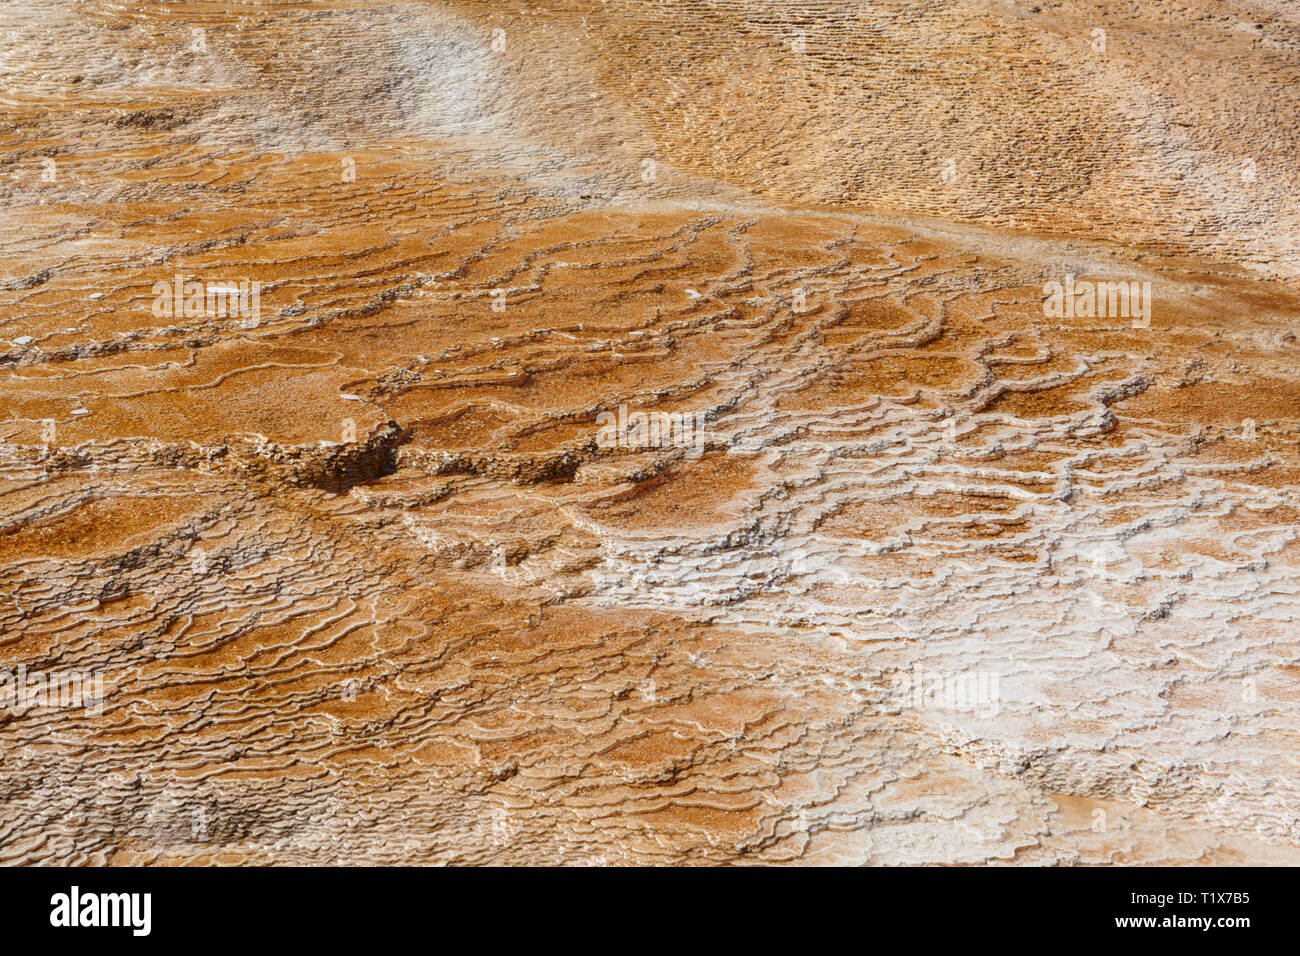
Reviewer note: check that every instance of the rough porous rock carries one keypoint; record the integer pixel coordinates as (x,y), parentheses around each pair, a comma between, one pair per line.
(920,570)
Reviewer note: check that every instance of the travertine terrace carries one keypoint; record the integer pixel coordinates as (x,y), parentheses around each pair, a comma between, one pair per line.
(360,577)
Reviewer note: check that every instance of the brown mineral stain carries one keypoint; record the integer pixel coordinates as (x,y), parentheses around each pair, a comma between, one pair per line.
(366,586)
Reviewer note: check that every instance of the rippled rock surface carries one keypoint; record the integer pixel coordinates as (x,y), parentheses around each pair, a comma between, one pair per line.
(643,433)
